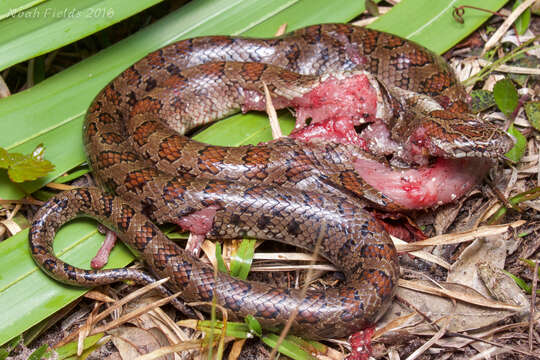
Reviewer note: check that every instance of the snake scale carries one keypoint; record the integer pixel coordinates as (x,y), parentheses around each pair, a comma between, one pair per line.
(302,193)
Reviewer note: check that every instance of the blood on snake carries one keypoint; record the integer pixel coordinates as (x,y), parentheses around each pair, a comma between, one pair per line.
(380,108)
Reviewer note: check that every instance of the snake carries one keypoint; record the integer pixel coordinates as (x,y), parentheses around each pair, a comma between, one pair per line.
(310,194)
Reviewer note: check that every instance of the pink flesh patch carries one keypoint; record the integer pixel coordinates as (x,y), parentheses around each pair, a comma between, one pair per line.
(335,108)
(102,256)
(440,183)
(360,342)
(353,98)
(200,222)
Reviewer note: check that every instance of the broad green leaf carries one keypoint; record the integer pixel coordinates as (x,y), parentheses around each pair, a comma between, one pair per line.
(253,325)
(517,152)
(532,109)
(242,259)
(523,21)
(481,100)
(431,23)
(28,293)
(220,262)
(506,96)
(52,113)
(288,347)
(11,8)
(55,23)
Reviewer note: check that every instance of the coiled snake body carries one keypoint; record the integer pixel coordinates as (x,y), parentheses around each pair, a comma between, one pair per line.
(286,190)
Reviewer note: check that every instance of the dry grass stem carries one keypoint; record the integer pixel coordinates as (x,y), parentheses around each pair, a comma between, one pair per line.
(364,22)
(133,314)
(421,254)
(61,187)
(471,298)
(86,328)
(488,230)
(511,69)
(135,294)
(281,29)
(272,115)
(4,89)
(393,325)
(533,303)
(439,334)
(272,268)
(27,201)
(184,346)
(496,37)
(98,296)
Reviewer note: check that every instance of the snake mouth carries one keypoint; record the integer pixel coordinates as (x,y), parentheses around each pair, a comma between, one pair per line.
(418,158)
(355,108)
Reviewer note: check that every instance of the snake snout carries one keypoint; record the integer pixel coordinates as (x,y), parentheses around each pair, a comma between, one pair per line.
(472,139)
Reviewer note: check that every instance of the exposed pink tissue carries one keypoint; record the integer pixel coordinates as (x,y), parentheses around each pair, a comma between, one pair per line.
(200,222)
(340,130)
(353,98)
(102,256)
(443,182)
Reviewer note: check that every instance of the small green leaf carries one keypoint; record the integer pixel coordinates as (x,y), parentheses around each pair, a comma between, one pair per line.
(506,96)
(523,21)
(25,167)
(531,264)
(516,153)
(70,349)
(253,325)
(3,354)
(481,100)
(40,352)
(237,330)
(519,281)
(527,61)
(242,259)
(532,109)
(287,347)
(220,263)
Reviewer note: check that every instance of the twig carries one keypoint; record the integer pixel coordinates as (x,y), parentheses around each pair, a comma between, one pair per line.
(511,348)
(506,25)
(511,69)
(533,303)
(272,115)
(512,54)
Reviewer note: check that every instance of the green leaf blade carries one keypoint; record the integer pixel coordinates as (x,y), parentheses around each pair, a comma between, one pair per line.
(532,109)
(506,96)
(523,20)
(242,259)
(517,152)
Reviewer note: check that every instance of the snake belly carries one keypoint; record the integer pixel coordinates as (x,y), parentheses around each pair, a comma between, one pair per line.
(305,194)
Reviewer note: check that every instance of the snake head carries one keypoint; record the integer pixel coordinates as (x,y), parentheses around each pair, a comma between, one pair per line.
(447,134)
